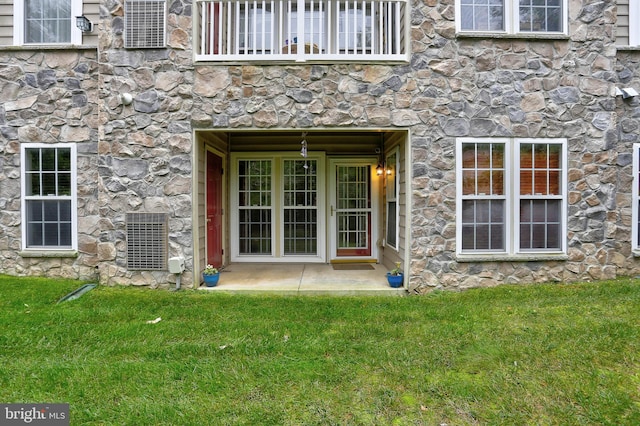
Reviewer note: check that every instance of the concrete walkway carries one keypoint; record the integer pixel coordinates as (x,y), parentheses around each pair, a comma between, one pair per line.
(307,278)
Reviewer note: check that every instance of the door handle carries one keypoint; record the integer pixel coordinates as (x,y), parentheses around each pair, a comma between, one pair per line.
(332,210)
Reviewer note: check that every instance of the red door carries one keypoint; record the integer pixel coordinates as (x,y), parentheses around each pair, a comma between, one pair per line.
(214,209)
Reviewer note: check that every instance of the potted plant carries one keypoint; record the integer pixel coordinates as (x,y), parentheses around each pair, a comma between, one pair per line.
(211,275)
(395,277)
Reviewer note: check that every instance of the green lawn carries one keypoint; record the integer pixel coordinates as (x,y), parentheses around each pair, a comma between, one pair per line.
(543,354)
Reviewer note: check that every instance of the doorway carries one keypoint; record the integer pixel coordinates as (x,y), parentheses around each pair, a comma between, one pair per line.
(353,206)
(214,209)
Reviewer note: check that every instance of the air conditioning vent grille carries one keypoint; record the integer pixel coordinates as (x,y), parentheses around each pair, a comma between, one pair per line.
(147,241)
(144,22)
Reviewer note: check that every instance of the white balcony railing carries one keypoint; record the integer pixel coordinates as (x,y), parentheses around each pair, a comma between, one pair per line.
(276,30)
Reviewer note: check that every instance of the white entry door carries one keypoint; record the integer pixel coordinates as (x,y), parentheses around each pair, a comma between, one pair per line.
(353,205)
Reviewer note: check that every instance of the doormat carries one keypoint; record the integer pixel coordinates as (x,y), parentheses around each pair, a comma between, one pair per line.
(352,266)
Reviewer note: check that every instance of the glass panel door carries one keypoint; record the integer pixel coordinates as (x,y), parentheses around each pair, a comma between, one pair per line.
(300,207)
(353,210)
(255,207)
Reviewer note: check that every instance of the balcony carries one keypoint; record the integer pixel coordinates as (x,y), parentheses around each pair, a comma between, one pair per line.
(301,30)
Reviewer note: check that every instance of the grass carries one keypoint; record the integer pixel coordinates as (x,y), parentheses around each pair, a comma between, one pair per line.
(543,354)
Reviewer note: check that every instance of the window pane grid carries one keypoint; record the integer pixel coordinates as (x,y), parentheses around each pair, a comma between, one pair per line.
(255,216)
(301,216)
(483,225)
(540,224)
(300,231)
(532,15)
(353,230)
(48,197)
(540,169)
(353,187)
(540,15)
(483,169)
(255,231)
(48,223)
(482,15)
(535,212)
(47,21)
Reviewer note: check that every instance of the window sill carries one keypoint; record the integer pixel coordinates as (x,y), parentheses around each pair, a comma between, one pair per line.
(519,36)
(628,48)
(47,47)
(48,253)
(532,257)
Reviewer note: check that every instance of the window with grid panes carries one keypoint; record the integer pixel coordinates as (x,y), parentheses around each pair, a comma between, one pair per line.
(49,196)
(511,196)
(255,207)
(512,17)
(46,22)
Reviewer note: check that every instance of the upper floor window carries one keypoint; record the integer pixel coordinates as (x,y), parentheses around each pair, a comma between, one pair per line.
(511,196)
(634,22)
(46,22)
(49,196)
(511,16)
(301,29)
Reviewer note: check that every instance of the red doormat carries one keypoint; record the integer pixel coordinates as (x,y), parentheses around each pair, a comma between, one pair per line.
(351,266)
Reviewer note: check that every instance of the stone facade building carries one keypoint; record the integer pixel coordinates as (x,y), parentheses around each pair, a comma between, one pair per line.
(507,138)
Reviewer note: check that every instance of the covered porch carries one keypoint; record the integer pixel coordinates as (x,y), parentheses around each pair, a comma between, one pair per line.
(306,279)
(279,210)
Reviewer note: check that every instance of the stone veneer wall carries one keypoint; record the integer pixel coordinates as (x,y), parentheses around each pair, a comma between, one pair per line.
(48,97)
(144,152)
(522,88)
(453,87)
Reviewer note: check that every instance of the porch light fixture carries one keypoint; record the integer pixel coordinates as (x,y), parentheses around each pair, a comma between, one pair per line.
(84,24)
(380,169)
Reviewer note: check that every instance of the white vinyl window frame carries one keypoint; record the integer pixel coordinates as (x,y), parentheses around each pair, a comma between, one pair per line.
(277,208)
(635,201)
(634,23)
(26,198)
(511,21)
(512,200)
(19,26)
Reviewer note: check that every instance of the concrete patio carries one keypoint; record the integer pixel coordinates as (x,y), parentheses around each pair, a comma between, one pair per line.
(307,278)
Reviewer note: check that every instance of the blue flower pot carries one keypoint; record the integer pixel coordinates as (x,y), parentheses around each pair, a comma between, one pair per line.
(395,281)
(211,280)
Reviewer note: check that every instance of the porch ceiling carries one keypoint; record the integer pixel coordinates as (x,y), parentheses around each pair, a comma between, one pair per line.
(332,142)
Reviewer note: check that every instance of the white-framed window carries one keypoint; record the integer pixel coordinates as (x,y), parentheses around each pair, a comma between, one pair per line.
(635,203)
(277,207)
(46,22)
(392,189)
(49,198)
(634,22)
(511,16)
(511,196)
